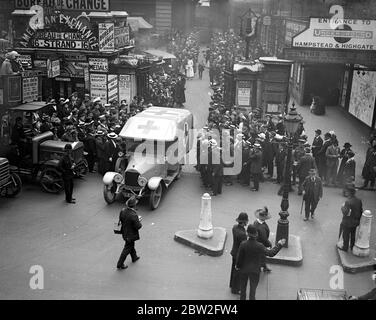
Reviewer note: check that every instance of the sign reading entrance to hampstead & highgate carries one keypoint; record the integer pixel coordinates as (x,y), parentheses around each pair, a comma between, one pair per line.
(74,5)
(367,58)
(342,34)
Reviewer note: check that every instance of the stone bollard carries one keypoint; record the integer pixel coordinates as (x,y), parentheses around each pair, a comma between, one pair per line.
(361,247)
(205,229)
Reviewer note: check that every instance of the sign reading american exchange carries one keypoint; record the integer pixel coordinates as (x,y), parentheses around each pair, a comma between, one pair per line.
(348,34)
(76,5)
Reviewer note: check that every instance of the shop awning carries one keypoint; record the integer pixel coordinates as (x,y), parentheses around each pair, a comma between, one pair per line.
(160,53)
(137,23)
(31,106)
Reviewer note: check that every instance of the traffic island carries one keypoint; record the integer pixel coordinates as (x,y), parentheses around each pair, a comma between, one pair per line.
(292,256)
(354,264)
(213,246)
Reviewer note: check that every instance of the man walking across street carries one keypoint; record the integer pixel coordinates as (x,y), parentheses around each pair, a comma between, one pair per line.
(352,211)
(312,193)
(249,261)
(130,224)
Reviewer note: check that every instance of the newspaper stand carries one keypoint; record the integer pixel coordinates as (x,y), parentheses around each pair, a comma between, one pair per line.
(321,294)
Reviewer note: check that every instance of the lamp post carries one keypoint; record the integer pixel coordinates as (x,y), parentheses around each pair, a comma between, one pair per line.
(291,122)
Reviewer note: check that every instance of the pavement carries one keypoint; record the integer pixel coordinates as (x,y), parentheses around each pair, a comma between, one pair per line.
(77,249)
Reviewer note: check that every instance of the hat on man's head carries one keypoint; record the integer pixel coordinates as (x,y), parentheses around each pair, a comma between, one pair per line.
(327,135)
(257,145)
(68,146)
(66,101)
(131,202)
(252,231)
(112,135)
(312,170)
(347,145)
(263,214)
(307,150)
(97,99)
(318,131)
(243,217)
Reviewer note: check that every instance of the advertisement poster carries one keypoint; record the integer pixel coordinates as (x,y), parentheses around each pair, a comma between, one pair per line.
(112,85)
(125,87)
(29,89)
(363,94)
(121,37)
(106,37)
(244,96)
(98,86)
(98,65)
(53,68)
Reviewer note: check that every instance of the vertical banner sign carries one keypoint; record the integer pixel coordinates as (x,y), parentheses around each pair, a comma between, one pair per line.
(244,93)
(112,85)
(106,37)
(98,86)
(53,68)
(29,89)
(87,79)
(125,87)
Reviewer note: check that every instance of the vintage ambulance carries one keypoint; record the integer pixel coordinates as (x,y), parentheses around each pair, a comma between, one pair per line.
(157,142)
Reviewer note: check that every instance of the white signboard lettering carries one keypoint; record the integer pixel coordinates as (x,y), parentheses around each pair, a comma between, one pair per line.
(29,89)
(348,34)
(98,65)
(106,37)
(98,86)
(125,87)
(244,96)
(74,5)
(112,85)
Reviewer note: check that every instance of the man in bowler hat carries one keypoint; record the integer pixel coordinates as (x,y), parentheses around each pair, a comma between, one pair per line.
(249,261)
(239,234)
(67,165)
(130,224)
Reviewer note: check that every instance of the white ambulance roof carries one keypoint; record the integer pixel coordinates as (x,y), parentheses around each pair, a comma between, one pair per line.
(155,123)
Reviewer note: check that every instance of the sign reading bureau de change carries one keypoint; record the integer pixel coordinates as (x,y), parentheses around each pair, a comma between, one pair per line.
(74,5)
(344,34)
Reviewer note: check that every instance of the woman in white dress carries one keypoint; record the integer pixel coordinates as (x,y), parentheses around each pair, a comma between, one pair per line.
(189,66)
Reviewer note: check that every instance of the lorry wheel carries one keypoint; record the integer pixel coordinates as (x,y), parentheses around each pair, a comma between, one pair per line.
(155,197)
(51,180)
(109,193)
(15,188)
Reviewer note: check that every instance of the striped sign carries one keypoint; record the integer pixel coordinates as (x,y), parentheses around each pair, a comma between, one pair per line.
(112,86)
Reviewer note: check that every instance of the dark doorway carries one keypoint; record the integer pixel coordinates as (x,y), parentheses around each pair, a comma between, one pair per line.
(324,80)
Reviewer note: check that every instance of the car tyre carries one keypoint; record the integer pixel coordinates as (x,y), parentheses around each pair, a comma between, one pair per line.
(15,187)
(51,180)
(109,193)
(155,197)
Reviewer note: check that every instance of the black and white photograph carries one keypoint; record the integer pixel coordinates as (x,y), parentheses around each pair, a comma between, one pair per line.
(191,153)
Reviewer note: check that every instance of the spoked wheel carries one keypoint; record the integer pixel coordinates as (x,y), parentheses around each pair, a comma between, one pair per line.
(155,197)
(15,187)
(51,180)
(109,193)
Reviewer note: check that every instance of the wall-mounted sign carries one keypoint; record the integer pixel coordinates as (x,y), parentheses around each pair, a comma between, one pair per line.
(98,65)
(40,63)
(292,28)
(121,37)
(98,86)
(74,5)
(53,68)
(29,89)
(125,87)
(346,34)
(106,36)
(25,60)
(244,93)
(87,78)
(66,33)
(112,85)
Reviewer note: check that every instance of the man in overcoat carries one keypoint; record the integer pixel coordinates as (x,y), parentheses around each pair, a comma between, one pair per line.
(239,234)
(111,151)
(312,193)
(67,165)
(316,145)
(249,260)
(263,231)
(130,224)
(352,211)
(255,157)
(305,163)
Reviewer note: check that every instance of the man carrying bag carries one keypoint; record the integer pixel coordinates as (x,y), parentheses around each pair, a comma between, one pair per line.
(130,224)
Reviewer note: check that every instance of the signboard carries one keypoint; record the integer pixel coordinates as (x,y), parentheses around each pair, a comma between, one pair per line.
(98,86)
(367,58)
(343,34)
(40,63)
(121,37)
(74,5)
(29,89)
(87,79)
(25,60)
(363,94)
(106,37)
(292,28)
(53,68)
(244,96)
(112,85)
(60,40)
(125,87)
(98,65)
